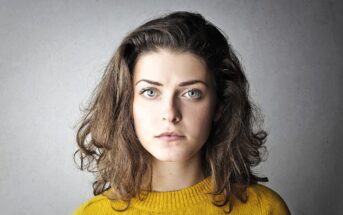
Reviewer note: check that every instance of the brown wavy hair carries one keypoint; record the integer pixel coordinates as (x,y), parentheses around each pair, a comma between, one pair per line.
(109,146)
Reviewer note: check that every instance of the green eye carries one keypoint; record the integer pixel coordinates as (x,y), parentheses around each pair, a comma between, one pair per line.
(150,91)
(193,93)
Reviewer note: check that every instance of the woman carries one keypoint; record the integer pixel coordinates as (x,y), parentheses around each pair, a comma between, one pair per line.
(171,129)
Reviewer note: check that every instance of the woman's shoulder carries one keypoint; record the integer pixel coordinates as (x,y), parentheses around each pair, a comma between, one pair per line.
(267,199)
(95,205)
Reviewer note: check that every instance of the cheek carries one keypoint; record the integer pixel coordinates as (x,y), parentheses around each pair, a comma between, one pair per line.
(199,120)
(142,117)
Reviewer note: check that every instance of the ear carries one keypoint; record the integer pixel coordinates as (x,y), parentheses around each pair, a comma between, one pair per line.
(218,113)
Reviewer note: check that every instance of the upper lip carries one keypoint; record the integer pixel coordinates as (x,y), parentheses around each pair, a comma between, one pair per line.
(172,133)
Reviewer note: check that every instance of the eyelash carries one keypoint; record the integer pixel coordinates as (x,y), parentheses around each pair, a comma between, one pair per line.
(190,90)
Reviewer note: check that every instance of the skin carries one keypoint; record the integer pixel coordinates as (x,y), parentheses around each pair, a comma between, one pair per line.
(189,110)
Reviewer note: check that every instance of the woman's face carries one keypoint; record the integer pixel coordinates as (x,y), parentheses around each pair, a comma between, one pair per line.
(172,93)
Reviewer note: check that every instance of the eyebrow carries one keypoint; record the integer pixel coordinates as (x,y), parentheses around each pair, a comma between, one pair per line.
(185,83)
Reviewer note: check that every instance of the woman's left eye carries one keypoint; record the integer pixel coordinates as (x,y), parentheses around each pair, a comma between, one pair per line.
(194,94)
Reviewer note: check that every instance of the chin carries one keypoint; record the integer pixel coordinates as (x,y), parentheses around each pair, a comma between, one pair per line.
(168,160)
(170,157)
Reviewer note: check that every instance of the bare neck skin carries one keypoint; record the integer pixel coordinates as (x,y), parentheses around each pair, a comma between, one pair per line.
(171,176)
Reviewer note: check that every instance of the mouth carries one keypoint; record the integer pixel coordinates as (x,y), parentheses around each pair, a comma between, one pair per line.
(170,138)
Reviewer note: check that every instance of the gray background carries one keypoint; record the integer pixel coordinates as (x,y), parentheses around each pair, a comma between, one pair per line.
(54,52)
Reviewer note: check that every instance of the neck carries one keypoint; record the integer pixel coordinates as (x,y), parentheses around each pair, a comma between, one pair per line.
(176,175)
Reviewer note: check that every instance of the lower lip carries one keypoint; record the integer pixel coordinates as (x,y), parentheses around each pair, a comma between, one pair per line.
(171,138)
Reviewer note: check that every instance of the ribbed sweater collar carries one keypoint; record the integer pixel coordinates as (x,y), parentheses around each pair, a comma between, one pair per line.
(157,201)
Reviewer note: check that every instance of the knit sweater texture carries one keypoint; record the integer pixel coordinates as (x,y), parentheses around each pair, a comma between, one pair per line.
(191,201)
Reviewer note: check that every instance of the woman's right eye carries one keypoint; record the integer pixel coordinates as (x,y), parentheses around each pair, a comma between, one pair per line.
(148,92)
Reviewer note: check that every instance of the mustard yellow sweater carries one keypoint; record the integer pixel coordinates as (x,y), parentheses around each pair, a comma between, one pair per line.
(192,201)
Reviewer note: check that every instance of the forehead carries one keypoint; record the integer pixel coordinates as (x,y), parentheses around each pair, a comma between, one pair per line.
(164,64)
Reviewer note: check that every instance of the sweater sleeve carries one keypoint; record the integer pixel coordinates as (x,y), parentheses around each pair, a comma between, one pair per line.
(79,210)
(95,205)
(271,202)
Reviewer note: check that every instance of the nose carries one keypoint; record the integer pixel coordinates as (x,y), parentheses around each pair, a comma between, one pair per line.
(171,111)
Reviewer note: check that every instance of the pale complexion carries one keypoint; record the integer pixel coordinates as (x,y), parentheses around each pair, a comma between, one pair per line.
(169,105)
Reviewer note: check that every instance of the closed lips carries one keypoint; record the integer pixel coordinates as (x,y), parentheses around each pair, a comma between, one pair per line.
(170,134)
